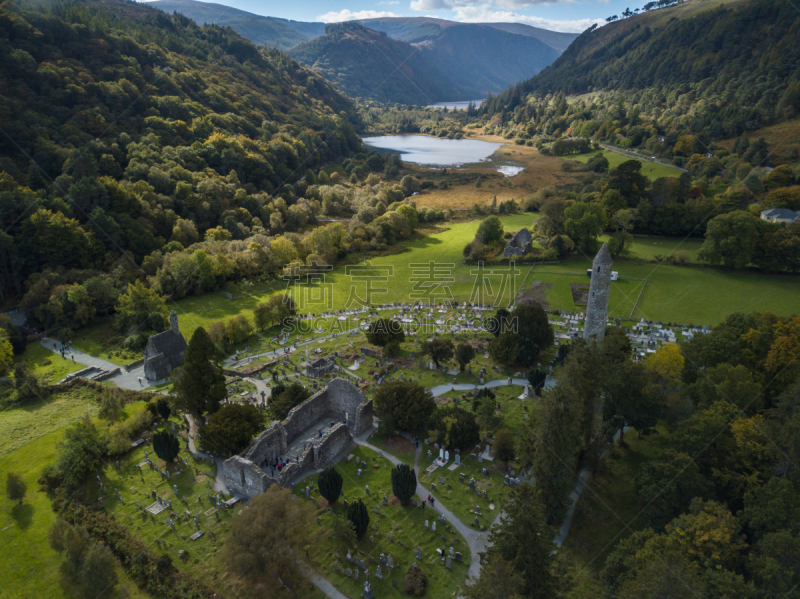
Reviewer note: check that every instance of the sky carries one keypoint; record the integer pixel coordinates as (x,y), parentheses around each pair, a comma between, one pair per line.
(558,15)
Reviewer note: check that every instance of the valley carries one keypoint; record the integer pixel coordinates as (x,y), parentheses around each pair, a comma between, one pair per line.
(358,333)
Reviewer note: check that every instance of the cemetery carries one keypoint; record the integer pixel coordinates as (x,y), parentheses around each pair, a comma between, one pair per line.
(396,538)
(173,508)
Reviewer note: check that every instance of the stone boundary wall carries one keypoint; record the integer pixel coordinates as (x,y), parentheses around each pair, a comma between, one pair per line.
(133,365)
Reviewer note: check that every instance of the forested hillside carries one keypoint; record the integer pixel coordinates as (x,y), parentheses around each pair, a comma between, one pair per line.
(724,70)
(126,130)
(369,64)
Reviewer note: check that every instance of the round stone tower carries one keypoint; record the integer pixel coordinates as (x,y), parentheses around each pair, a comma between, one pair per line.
(597,305)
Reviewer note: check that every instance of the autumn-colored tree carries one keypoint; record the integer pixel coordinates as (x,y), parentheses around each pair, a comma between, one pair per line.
(265,541)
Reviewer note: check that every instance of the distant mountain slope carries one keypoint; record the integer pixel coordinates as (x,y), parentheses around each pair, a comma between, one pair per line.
(370,64)
(418,29)
(269,31)
(733,46)
(555,39)
(465,61)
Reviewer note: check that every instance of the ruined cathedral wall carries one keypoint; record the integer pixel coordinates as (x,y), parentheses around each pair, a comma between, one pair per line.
(334,442)
(268,445)
(306,414)
(243,477)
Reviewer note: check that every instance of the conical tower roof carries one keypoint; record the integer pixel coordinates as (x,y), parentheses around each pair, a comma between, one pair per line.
(603,256)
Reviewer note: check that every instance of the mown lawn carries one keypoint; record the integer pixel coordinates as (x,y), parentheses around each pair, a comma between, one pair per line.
(682,294)
(651,170)
(647,248)
(405,524)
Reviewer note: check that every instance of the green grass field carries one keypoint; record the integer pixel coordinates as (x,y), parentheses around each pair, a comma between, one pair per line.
(651,170)
(49,366)
(406,524)
(690,295)
(672,293)
(647,248)
(27,424)
(30,567)
(444,248)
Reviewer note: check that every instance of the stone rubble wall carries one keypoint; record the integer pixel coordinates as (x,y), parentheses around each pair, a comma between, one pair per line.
(364,418)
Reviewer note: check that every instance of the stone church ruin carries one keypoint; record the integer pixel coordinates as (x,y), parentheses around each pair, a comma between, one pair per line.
(312,435)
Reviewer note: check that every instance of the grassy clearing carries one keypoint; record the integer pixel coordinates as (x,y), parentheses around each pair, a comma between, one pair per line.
(30,566)
(49,366)
(27,424)
(647,248)
(651,170)
(608,508)
(676,293)
(102,341)
(405,524)
(443,247)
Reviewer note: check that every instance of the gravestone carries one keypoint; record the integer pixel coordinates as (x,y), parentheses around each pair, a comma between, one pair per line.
(458,556)
(477,522)
(433,526)
(448,563)
(390,561)
(478,510)
(419,553)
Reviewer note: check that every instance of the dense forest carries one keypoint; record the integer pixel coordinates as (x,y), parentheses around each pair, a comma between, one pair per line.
(721,71)
(718,491)
(139,148)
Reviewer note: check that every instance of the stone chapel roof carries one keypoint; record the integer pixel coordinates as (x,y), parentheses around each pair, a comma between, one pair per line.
(169,343)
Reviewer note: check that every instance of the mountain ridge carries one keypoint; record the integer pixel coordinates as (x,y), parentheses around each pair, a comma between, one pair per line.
(469,59)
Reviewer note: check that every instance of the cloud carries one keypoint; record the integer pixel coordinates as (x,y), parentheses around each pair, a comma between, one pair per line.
(423,5)
(347,15)
(485,13)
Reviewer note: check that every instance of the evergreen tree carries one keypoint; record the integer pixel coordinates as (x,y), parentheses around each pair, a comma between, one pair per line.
(330,484)
(162,408)
(200,385)
(166,445)
(522,538)
(464,354)
(358,515)
(537,380)
(404,483)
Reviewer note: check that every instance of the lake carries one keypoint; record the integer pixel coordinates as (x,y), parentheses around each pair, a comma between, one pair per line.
(456,105)
(439,153)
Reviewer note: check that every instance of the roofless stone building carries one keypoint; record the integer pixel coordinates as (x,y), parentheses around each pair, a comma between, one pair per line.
(310,437)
